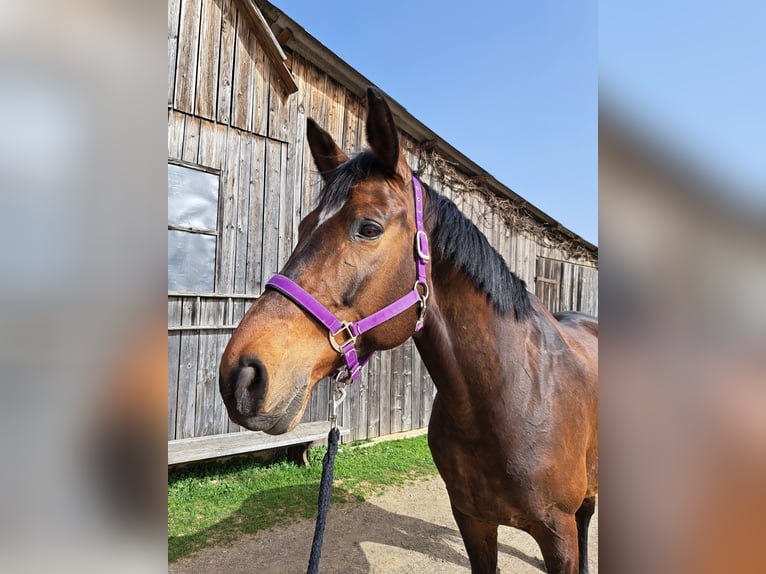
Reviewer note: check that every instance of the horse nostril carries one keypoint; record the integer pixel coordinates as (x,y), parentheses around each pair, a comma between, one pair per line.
(250,384)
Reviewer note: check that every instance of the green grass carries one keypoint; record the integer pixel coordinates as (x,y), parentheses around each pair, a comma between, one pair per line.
(215,503)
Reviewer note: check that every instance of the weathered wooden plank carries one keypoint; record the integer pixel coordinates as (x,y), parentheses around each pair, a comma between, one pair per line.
(261,87)
(385,393)
(360,419)
(351,407)
(229,15)
(498,235)
(489,220)
(206,93)
(335,103)
(190,151)
(279,115)
(206,380)
(576,287)
(187,372)
(174,311)
(512,245)
(476,212)
(228,210)
(219,314)
(397,389)
(242,224)
(242,95)
(174,353)
(219,445)
(373,397)
(484,216)
(417,391)
(188,48)
(565,290)
(285,245)
(296,137)
(174,18)
(590,291)
(406,375)
(519,256)
(257,190)
(345,418)
(172,57)
(352,122)
(316,82)
(273,189)
(531,257)
(540,280)
(560,295)
(212,144)
(556,273)
(176,122)
(323,391)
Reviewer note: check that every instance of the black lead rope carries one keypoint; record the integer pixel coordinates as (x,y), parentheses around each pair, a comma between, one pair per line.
(325,490)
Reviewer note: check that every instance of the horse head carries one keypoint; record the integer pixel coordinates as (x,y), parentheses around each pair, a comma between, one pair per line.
(356,254)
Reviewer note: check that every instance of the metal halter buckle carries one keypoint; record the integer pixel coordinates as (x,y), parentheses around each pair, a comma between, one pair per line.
(350,337)
(421,245)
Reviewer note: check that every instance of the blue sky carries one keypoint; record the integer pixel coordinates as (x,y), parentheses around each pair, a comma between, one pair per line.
(512,85)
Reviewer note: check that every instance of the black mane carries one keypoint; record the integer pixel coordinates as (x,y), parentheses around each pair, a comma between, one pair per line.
(455,238)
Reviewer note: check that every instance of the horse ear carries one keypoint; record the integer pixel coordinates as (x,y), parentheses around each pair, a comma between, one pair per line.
(327,155)
(381,130)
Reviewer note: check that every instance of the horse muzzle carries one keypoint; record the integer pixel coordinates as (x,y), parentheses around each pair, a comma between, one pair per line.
(244,390)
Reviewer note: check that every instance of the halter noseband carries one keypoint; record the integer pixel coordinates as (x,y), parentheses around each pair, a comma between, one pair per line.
(352,331)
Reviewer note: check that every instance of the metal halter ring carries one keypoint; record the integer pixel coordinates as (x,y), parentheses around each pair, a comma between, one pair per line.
(424,296)
(351,338)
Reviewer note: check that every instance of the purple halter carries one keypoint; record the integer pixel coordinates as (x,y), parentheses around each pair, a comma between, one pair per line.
(352,331)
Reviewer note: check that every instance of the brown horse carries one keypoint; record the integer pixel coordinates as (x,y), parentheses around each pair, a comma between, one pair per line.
(513,429)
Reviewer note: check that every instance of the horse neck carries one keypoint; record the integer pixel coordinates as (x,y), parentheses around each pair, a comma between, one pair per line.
(459,345)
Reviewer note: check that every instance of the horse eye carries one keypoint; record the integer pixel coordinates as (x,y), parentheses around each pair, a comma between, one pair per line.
(369,230)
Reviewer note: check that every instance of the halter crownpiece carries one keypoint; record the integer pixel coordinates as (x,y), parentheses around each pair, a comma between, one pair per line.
(343,334)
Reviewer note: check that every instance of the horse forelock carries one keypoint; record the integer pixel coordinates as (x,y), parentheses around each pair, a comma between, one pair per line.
(341,180)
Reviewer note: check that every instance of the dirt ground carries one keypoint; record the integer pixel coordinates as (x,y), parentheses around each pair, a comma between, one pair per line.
(405,530)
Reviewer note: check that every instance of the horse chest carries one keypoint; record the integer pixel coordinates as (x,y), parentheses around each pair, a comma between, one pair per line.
(484,478)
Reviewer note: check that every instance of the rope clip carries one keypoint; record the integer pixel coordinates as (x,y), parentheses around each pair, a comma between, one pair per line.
(339,395)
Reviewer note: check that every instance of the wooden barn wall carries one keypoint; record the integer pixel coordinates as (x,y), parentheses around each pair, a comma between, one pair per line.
(224,114)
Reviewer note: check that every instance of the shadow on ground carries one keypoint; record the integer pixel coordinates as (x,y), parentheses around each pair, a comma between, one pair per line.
(354,531)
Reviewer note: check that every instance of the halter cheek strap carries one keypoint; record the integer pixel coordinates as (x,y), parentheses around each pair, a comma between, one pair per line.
(342,334)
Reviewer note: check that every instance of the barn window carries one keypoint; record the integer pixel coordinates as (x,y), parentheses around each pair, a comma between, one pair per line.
(561,285)
(192,228)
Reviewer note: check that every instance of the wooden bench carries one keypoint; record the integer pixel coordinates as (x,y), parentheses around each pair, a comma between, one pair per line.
(298,441)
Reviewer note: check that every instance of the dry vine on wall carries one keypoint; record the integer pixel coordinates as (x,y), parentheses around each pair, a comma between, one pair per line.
(514,214)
